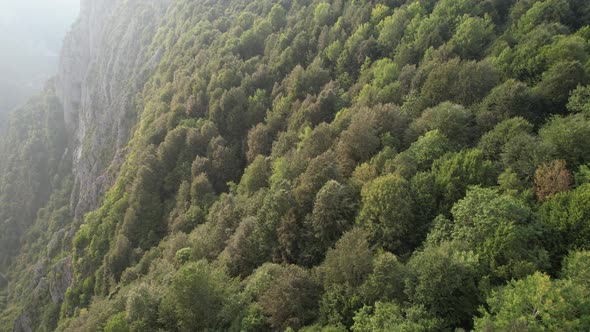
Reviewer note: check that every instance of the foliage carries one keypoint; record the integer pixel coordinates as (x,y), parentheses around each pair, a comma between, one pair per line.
(537,303)
(387,213)
(551,179)
(308,165)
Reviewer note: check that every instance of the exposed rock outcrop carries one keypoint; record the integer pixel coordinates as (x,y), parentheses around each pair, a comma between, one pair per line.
(104,64)
(105,61)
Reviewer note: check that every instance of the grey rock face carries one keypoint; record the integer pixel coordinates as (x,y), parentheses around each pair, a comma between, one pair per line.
(102,68)
(3,281)
(61,277)
(23,324)
(104,64)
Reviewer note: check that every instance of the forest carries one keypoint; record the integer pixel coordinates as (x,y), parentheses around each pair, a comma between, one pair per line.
(319,166)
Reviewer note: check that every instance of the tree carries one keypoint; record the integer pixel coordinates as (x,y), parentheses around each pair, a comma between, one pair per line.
(498,228)
(543,12)
(453,121)
(141,308)
(558,82)
(579,101)
(357,143)
(255,176)
(567,138)
(290,299)
(349,262)
(461,82)
(228,112)
(472,36)
(201,189)
(443,279)
(536,303)
(421,153)
(201,297)
(509,99)
(315,142)
(344,270)
(240,256)
(386,280)
(362,138)
(565,215)
(210,238)
(521,154)
(455,172)
(393,27)
(387,213)
(117,323)
(259,142)
(552,178)
(494,141)
(333,213)
(322,14)
(575,268)
(143,225)
(390,316)
(278,17)
(320,170)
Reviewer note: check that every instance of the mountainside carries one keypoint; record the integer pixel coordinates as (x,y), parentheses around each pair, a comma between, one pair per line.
(387,165)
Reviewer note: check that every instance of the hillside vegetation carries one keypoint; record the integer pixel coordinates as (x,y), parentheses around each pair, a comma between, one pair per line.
(306,165)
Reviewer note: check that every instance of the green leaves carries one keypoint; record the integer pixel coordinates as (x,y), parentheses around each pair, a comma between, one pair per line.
(498,229)
(201,296)
(362,141)
(387,213)
(537,303)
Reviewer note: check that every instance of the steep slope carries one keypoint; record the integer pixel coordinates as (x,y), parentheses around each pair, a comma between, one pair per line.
(63,149)
(103,67)
(315,165)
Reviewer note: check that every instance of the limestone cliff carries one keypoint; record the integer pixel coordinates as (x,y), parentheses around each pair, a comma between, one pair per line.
(103,66)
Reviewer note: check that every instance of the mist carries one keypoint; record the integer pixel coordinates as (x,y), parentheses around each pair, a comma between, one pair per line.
(30,42)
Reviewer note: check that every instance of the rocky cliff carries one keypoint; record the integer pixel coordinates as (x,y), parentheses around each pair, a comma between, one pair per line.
(103,66)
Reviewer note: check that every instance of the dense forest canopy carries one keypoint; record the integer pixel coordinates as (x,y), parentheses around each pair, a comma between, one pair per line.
(307,165)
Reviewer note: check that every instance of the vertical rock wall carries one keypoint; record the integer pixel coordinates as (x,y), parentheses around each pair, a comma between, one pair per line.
(102,68)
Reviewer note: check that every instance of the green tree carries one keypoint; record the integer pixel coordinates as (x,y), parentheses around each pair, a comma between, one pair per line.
(387,213)
(333,213)
(141,308)
(565,214)
(278,17)
(536,303)
(494,141)
(386,280)
(453,121)
(509,99)
(255,176)
(117,323)
(455,172)
(579,100)
(567,139)
(389,316)
(290,299)
(443,279)
(557,83)
(349,262)
(498,228)
(472,36)
(201,297)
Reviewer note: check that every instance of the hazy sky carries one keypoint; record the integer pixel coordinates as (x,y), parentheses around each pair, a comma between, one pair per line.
(31,34)
(36,25)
